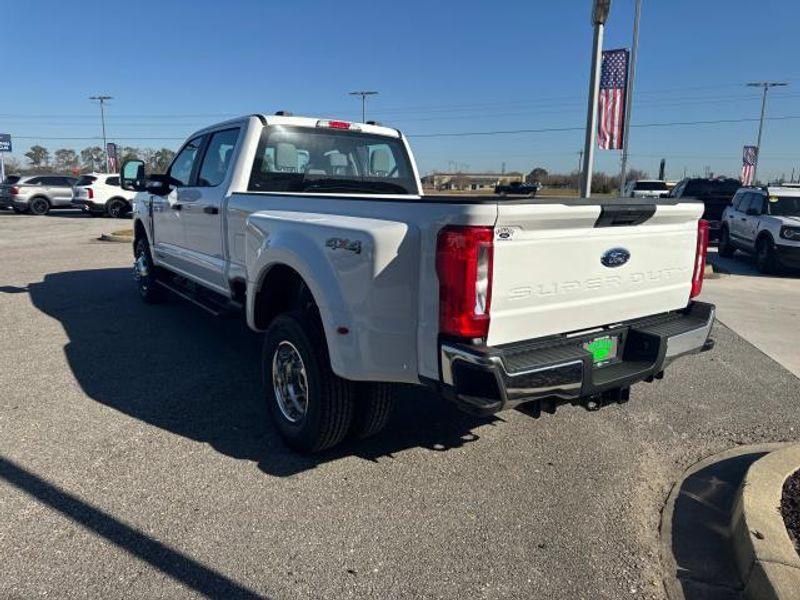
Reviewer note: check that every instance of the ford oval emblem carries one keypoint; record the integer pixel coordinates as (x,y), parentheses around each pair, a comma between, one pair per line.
(616,257)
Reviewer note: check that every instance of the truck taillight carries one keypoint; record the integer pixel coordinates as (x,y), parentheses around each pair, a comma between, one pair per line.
(700,258)
(464,256)
(337,125)
(89,193)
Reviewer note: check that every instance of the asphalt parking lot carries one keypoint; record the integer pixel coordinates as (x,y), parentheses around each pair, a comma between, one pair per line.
(137,459)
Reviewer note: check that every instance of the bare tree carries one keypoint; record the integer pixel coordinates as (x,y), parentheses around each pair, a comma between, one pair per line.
(92,159)
(66,159)
(39,156)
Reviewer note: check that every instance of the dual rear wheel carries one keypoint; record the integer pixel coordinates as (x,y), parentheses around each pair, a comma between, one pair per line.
(312,407)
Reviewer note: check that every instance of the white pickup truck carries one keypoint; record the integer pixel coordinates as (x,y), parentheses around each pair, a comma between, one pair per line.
(319,232)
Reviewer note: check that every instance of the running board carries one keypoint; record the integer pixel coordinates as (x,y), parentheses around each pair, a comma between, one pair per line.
(222,308)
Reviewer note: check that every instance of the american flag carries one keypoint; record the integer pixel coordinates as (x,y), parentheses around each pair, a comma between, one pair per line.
(748,164)
(613,83)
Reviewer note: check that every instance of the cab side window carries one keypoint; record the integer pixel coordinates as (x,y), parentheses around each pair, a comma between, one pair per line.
(183,166)
(217,157)
(757,203)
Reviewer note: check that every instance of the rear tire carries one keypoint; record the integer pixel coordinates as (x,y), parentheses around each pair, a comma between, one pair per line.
(765,256)
(145,273)
(39,206)
(725,248)
(117,208)
(374,407)
(311,406)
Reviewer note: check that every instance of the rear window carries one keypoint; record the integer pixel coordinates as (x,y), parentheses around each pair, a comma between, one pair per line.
(11,179)
(652,186)
(88,180)
(302,159)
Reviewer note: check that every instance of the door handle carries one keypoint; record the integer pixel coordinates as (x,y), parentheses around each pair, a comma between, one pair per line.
(211,210)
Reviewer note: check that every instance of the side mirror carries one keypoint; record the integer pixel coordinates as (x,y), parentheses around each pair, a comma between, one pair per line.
(132,176)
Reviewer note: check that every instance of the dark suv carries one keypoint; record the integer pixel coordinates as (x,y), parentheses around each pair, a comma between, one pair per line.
(715,194)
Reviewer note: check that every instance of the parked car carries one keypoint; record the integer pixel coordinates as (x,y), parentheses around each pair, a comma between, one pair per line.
(38,194)
(317,230)
(518,187)
(5,191)
(715,194)
(646,188)
(764,221)
(100,193)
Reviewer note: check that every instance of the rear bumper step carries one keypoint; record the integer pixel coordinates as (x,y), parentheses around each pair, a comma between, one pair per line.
(484,380)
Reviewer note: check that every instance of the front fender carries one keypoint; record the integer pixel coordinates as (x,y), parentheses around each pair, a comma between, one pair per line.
(362,274)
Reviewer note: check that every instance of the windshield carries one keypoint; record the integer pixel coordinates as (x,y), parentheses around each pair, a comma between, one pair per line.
(784,206)
(304,159)
(652,185)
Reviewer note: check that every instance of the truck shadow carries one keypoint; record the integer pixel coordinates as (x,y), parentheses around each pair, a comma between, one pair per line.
(175,367)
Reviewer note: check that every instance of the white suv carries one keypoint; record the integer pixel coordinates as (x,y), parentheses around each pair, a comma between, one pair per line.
(764,221)
(100,193)
(646,188)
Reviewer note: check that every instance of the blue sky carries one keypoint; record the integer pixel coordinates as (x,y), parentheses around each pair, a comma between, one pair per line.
(440,67)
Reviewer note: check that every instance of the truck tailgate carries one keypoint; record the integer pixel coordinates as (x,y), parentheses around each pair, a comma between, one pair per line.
(549,275)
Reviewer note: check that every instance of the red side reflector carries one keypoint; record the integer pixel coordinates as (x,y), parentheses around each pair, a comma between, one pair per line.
(464,256)
(700,258)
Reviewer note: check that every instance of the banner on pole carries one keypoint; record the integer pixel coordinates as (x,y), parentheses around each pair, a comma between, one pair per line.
(612,100)
(749,156)
(5,142)
(111,150)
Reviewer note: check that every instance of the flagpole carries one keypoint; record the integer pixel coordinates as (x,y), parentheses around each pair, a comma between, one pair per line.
(629,97)
(600,9)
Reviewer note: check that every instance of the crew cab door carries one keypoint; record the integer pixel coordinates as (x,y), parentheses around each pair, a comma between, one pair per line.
(201,213)
(170,242)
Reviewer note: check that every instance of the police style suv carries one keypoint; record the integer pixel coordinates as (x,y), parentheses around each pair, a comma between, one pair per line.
(764,221)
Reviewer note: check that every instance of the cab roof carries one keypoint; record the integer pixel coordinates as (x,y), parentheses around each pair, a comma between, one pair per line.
(311,122)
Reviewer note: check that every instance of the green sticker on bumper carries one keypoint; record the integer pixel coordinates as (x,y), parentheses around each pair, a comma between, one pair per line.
(602,349)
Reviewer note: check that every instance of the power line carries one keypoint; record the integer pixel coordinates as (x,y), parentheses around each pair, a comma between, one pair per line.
(560,129)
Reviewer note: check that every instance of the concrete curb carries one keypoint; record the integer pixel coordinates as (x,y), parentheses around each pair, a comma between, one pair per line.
(764,554)
(672,584)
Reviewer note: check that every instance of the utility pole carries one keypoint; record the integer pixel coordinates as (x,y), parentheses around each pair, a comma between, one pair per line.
(102,100)
(766,85)
(629,97)
(363,95)
(600,10)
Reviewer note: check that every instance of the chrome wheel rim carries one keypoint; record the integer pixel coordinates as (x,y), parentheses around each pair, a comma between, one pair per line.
(289,382)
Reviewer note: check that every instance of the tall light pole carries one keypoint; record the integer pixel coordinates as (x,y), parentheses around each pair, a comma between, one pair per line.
(102,100)
(766,85)
(363,95)
(600,10)
(629,97)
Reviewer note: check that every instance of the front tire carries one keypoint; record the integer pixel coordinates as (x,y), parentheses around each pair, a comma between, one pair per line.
(310,405)
(765,256)
(145,273)
(39,206)
(725,248)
